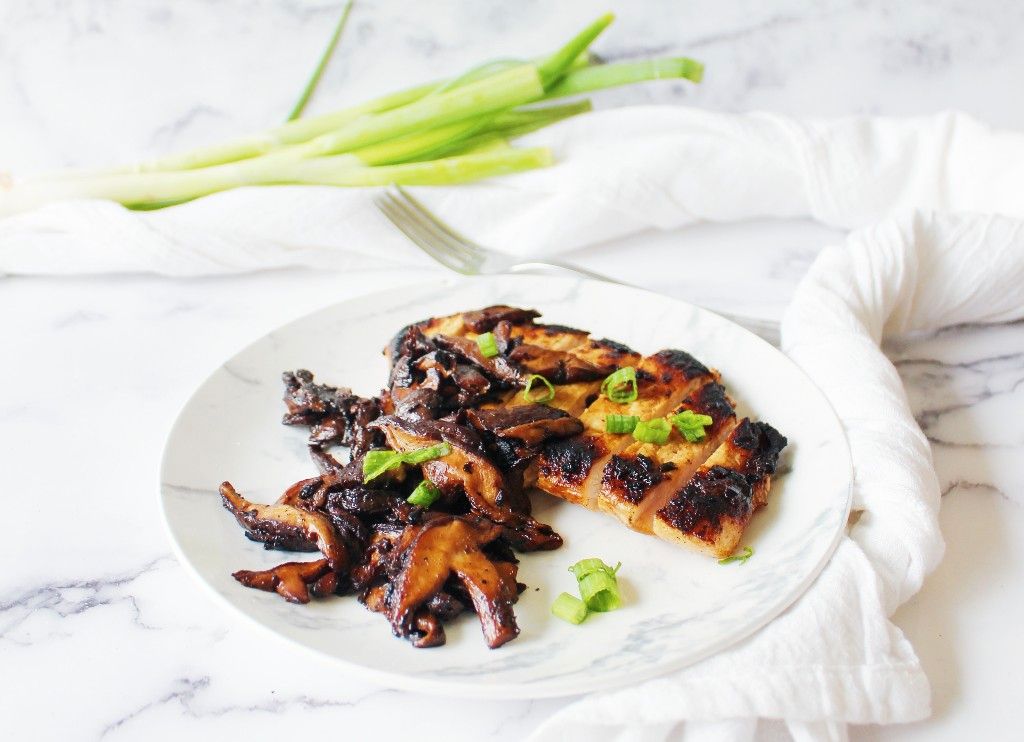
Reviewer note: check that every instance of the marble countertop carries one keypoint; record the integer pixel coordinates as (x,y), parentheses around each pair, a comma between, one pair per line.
(102,634)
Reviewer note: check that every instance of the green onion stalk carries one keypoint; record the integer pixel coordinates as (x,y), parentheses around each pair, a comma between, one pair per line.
(439,133)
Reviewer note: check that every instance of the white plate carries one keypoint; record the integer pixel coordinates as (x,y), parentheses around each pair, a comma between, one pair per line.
(679,607)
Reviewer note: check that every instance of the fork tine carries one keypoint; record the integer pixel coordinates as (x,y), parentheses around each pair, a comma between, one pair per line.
(412,231)
(429,216)
(442,240)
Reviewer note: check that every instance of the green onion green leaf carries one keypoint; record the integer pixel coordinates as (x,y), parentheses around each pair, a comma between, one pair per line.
(569,608)
(425,494)
(741,558)
(653,431)
(620,386)
(691,425)
(376,463)
(488,344)
(546,397)
(318,71)
(620,423)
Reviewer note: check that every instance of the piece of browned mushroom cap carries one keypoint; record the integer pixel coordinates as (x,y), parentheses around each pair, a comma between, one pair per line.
(453,547)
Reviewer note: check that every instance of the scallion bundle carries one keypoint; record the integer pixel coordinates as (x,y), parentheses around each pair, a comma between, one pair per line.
(442,133)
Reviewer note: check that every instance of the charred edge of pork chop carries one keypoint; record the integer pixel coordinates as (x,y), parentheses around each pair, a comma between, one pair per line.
(710,513)
(712,510)
(711,400)
(764,444)
(674,364)
(630,478)
(565,465)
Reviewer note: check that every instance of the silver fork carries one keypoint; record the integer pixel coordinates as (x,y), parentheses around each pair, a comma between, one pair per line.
(462,255)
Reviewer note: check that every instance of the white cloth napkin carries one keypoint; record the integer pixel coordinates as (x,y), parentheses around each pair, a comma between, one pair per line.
(833,657)
(619,171)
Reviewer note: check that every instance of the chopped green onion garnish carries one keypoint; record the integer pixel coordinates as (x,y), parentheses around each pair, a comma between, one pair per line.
(691,425)
(653,431)
(376,463)
(569,608)
(741,558)
(488,344)
(620,386)
(600,591)
(598,585)
(584,567)
(544,398)
(426,454)
(620,423)
(425,494)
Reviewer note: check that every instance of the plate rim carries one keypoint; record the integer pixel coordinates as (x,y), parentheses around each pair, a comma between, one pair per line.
(447,687)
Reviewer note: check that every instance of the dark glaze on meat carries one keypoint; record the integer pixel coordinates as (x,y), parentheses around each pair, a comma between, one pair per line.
(711,496)
(569,461)
(631,477)
(712,400)
(714,507)
(765,444)
(679,361)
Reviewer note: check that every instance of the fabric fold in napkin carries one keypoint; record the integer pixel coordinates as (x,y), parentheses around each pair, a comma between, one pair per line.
(619,171)
(833,656)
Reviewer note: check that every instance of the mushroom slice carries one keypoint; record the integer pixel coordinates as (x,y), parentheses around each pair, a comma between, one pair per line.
(497,367)
(486,319)
(532,424)
(333,414)
(452,547)
(557,366)
(293,581)
(286,527)
(468,467)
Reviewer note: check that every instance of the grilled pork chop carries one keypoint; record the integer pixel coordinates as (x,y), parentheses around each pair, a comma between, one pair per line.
(642,484)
